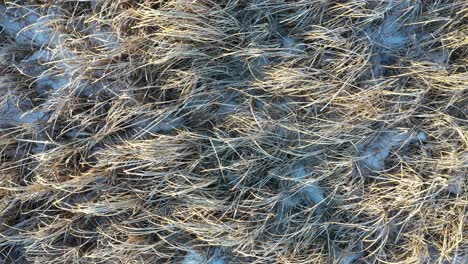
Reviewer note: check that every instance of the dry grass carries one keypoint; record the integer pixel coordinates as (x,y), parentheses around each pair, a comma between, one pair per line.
(233,131)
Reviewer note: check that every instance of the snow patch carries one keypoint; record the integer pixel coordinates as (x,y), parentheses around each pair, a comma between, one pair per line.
(256,66)
(228,107)
(287,42)
(27,26)
(163,127)
(95,3)
(103,37)
(287,202)
(374,153)
(39,148)
(28,117)
(56,83)
(87,89)
(313,193)
(391,36)
(291,45)
(455,185)
(166,125)
(306,194)
(30,26)
(193,257)
(40,56)
(16,116)
(260,61)
(351,258)
(299,171)
(10,113)
(76,133)
(310,191)
(217,260)
(34,65)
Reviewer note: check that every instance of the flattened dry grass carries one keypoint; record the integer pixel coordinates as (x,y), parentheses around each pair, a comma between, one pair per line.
(233,131)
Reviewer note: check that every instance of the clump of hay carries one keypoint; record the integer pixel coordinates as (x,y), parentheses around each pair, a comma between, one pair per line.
(233,131)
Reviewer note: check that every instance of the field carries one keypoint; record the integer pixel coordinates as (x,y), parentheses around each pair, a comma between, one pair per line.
(234,131)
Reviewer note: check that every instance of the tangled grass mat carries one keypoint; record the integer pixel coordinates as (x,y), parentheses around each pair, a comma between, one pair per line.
(233,131)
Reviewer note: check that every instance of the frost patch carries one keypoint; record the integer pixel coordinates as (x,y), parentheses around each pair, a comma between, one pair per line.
(27,26)
(374,153)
